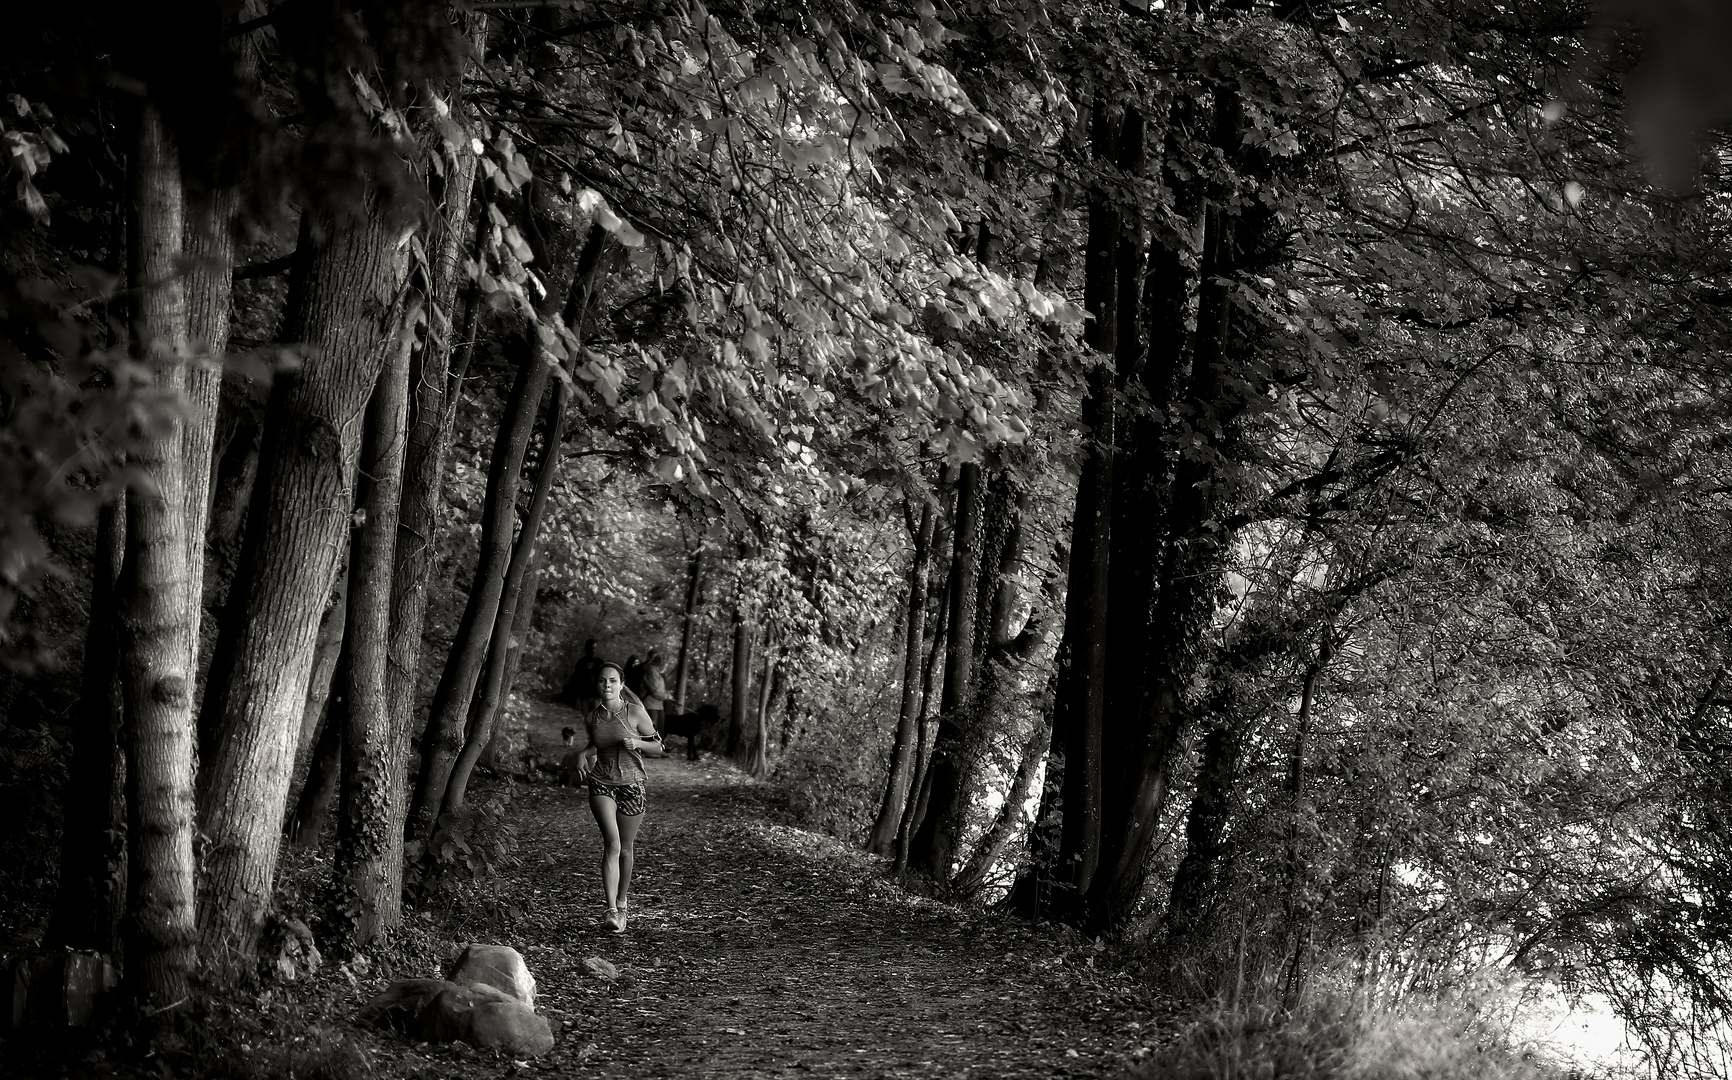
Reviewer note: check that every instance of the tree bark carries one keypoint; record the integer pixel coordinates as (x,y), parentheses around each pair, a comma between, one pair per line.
(443,739)
(521,624)
(337,307)
(934,846)
(760,758)
(324,769)
(1206,828)
(883,836)
(361,910)
(209,250)
(91,896)
(694,588)
(1189,575)
(742,677)
(919,790)
(435,385)
(493,694)
(326,648)
(972,879)
(1080,704)
(158,607)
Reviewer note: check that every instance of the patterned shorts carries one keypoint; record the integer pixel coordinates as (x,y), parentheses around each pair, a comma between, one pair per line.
(628,798)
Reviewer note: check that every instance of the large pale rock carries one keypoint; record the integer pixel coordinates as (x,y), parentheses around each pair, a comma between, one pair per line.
(498,966)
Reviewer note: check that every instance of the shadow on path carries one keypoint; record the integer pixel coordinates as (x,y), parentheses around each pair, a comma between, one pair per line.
(757,949)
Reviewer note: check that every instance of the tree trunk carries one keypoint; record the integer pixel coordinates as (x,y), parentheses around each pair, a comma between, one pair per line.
(324,769)
(934,846)
(883,836)
(760,761)
(492,756)
(326,648)
(493,694)
(92,892)
(362,912)
(435,384)
(158,607)
(209,249)
(972,880)
(694,588)
(1080,703)
(345,289)
(1206,828)
(919,790)
(443,739)
(742,677)
(1190,568)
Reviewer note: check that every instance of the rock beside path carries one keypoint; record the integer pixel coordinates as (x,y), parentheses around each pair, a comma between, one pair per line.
(498,966)
(488,1001)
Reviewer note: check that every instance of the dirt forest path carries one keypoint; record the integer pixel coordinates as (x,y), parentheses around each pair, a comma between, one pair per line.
(760,950)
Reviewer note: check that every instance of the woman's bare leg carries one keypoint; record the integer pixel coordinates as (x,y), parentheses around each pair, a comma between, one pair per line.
(628,827)
(607,819)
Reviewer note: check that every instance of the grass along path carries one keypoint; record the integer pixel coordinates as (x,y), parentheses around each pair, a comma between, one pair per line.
(760,950)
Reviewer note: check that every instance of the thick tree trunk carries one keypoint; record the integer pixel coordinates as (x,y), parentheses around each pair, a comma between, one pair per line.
(443,740)
(158,608)
(1080,703)
(336,307)
(883,836)
(1190,571)
(694,589)
(492,698)
(92,892)
(365,845)
(934,845)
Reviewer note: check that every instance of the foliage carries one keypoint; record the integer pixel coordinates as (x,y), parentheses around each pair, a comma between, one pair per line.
(1340,1031)
(461,876)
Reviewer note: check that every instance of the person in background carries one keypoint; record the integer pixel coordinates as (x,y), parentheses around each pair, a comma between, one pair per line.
(655,691)
(620,733)
(580,689)
(633,673)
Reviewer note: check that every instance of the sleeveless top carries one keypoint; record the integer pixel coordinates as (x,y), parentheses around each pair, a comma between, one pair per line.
(614,764)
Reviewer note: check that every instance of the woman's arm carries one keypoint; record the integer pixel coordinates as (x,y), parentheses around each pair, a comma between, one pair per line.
(648,741)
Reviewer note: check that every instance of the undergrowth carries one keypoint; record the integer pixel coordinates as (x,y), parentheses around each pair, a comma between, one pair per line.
(1330,1029)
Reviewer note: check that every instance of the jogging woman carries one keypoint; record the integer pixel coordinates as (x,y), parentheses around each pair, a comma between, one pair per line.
(620,733)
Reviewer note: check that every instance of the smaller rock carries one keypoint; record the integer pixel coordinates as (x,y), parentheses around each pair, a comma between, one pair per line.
(498,966)
(401,1003)
(600,968)
(484,1016)
(510,1026)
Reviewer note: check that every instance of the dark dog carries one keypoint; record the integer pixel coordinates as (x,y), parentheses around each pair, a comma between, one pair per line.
(688,725)
(568,772)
